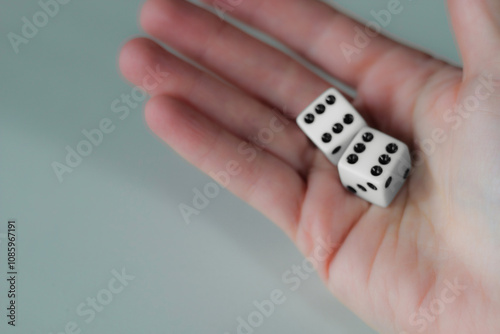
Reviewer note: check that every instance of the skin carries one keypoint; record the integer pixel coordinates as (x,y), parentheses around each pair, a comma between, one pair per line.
(393,267)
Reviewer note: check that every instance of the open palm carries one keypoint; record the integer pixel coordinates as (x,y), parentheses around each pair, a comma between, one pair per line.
(428,263)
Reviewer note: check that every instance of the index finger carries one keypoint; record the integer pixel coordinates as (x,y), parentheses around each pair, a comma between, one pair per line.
(343,47)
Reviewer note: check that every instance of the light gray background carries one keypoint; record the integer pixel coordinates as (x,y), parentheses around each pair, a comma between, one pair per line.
(119,209)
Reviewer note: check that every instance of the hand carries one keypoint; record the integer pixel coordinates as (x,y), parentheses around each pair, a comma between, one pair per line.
(428,263)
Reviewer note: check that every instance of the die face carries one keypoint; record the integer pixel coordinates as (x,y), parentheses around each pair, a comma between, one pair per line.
(331,122)
(375,166)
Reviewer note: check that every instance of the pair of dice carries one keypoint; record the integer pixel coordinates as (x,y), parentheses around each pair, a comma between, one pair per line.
(371,164)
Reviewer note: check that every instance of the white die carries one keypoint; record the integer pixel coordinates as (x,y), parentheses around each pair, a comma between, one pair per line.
(331,122)
(375,166)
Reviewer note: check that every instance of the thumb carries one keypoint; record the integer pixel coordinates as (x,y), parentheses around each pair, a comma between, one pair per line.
(477,29)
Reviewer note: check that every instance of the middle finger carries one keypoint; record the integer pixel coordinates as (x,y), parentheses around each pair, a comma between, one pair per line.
(240,114)
(243,60)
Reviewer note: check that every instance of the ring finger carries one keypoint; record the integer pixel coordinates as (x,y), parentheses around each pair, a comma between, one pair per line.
(239,113)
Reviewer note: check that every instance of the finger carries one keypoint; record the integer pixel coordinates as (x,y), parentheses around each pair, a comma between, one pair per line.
(244,61)
(388,76)
(340,45)
(476,26)
(382,71)
(257,177)
(233,109)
